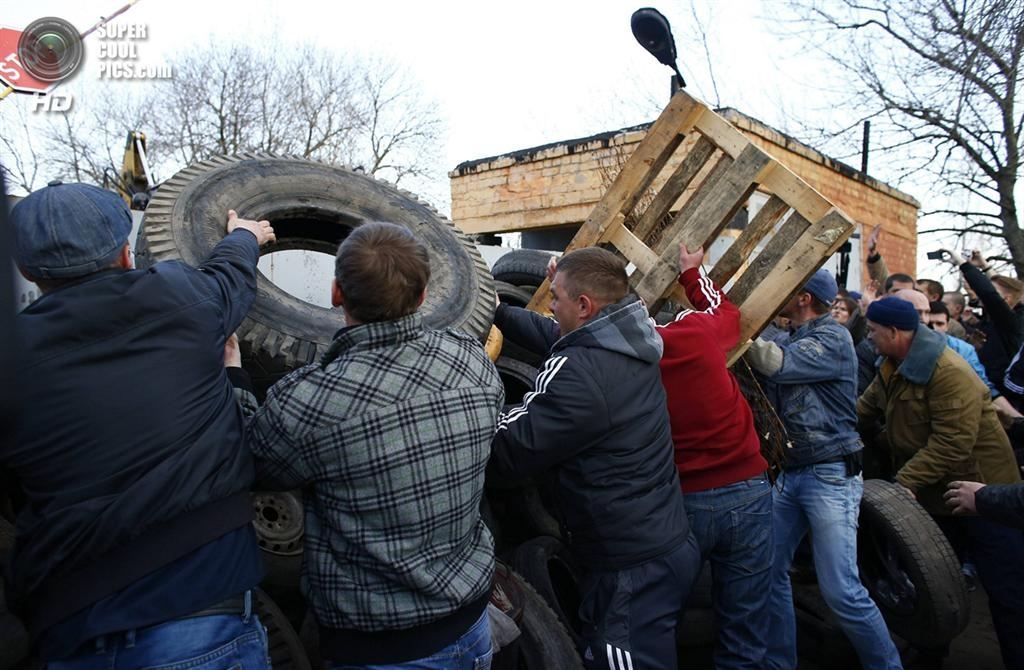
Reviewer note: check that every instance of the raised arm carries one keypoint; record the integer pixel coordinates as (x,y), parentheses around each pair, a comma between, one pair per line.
(711,308)
(231,266)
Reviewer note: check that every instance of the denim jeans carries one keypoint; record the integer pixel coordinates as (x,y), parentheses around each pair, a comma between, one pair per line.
(218,642)
(823,499)
(472,651)
(733,528)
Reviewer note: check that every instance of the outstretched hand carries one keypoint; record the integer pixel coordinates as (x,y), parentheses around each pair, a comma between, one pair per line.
(551,268)
(952,257)
(689,259)
(960,497)
(261,229)
(873,239)
(978,259)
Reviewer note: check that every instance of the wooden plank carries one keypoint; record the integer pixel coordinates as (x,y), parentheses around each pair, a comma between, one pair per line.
(793,269)
(685,213)
(741,248)
(674,186)
(798,193)
(710,216)
(633,249)
(640,170)
(761,267)
(722,133)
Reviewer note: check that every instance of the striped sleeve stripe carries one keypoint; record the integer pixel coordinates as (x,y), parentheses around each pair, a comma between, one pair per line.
(551,368)
(1008,379)
(618,659)
(714,296)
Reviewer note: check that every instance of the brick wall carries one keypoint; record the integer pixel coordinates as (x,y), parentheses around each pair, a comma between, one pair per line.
(559,184)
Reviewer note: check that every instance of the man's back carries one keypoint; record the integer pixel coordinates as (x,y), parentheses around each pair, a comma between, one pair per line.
(131,424)
(712,424)
(393,430)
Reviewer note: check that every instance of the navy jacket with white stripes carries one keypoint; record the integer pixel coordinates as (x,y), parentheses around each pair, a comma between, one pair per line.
(597,418)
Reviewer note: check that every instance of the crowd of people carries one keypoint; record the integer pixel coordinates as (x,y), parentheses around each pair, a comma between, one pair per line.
(143,436)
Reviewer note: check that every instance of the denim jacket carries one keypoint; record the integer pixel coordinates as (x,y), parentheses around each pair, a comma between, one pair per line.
(815,392)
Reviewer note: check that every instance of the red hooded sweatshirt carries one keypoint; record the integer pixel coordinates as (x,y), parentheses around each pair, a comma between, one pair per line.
(712,425)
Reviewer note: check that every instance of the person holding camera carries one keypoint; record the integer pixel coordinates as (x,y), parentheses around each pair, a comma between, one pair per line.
(1002,324)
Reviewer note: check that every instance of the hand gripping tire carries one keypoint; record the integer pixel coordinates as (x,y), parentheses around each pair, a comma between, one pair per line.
(313,207)
(543,642)
(909,567)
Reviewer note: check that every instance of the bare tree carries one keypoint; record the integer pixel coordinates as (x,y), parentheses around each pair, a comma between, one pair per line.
(939,79)
(19,149)
(236,98)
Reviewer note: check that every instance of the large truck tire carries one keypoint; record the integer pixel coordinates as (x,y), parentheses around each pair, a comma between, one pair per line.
(543,643)
(285,647)
(550,569)
(909,567)
(523,267)
(312,207)
(517,377)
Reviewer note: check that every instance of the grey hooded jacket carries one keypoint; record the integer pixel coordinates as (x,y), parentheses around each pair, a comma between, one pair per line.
(597,419)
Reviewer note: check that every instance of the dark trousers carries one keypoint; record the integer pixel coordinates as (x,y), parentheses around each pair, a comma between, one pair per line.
(629,616)
(998,553)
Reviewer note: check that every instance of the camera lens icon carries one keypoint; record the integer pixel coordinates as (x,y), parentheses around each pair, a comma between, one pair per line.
(50,49)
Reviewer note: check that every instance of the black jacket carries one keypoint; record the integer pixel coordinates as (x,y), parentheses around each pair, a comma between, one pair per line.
(1002,503)
(1003,326)
(130,421)
(598,418)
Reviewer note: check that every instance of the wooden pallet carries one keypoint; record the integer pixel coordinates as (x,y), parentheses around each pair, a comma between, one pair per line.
(796,230)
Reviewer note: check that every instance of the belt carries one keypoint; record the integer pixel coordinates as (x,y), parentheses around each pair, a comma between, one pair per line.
(240,605)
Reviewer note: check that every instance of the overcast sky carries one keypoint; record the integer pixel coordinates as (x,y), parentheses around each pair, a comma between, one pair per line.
(505,75)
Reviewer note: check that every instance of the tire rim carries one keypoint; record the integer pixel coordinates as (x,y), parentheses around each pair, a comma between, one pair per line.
(278,523)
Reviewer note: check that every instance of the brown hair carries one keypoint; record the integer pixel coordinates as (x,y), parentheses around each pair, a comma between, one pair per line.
(382,271)
(597,272)
(1014,286)
(932,286)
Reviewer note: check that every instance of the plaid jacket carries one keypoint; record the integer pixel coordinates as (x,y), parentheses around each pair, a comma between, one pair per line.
(390,433)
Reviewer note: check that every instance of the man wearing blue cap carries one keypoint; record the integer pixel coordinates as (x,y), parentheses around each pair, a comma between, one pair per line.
(812,380)
(941,428)
(135,541)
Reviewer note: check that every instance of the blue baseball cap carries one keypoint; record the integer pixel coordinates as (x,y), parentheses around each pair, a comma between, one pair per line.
(66,231)
(822,285)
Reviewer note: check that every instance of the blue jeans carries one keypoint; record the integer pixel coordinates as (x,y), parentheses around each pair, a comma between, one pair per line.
(823,499)
(472,651)
(218,642)
(733,528)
